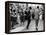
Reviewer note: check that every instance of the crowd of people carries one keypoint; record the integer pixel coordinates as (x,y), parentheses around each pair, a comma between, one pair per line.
(21,14)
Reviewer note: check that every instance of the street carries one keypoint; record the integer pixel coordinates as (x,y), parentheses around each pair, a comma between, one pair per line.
(32,26)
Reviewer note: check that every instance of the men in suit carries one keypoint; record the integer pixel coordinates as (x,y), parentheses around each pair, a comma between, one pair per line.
(27,17)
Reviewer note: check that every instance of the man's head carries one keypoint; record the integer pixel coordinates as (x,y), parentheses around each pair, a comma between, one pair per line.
(30,8)
(38,7)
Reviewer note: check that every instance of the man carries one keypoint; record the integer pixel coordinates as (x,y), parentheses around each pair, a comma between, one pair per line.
(37,16)
(21,16)
(27,17)
(14,19)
